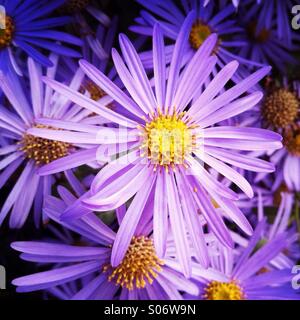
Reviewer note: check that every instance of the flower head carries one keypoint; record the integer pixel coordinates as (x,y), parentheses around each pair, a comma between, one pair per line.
(247,274)
(283,103)
(179,136)
(262,43)
(29,27)
(279,12)
(140,275)
(25,113)
(206,22)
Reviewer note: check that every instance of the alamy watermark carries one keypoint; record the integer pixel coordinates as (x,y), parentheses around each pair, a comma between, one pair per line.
(2,278)
(158,147)
(296,18)
(296,277)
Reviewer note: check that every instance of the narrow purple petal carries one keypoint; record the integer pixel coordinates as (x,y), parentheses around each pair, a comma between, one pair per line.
(130,222)
(47,279)
(94,106)
(177,59)
(36,85)
(178,225)
(159,66)
(75,160)
(160,217)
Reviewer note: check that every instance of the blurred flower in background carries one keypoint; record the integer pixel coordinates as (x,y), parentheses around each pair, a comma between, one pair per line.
(30,28)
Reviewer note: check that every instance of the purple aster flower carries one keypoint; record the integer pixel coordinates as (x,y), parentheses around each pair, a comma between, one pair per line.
(279,111)
(170,17)
(94,92)
(262,44)
(140,274)
(278,11)
(28,152)
(153,159)
(28,28)
(246,274)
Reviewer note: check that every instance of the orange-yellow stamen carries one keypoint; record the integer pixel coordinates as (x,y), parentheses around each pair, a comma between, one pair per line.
(139,267)
(167,140)
(41,150)
(280,108)
(199,33)
(223,291)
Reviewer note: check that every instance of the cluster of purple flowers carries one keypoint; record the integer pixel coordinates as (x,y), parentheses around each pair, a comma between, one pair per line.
(166,169)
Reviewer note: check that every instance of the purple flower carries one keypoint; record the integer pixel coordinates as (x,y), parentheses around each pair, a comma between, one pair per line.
(279,111)
(152,162)
(262,44)
(28,27)
(246,274)
(23,150)
(276,13)
(140,274)
(206,22)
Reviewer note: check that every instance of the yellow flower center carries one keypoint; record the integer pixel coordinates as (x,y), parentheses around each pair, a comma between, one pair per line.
(223,291)
(291,140)
(6,34)
(139,266)
(167,140)
(199,33)
(280,108)
(261,37)
(43,151)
